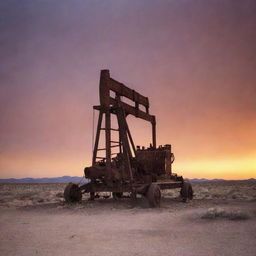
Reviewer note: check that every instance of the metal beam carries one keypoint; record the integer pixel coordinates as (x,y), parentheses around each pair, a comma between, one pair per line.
(123,90)
(133,111)
(97,138)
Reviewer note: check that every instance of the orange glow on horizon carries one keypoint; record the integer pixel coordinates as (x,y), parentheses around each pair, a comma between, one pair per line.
(225,168)
(35,166)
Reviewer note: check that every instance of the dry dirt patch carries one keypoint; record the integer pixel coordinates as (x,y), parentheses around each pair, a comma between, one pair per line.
(34,220)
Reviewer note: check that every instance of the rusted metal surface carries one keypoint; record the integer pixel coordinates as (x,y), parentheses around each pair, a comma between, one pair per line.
(132,169)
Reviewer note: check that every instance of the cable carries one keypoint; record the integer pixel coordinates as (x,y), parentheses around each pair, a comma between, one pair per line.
(93,117)
(81,180)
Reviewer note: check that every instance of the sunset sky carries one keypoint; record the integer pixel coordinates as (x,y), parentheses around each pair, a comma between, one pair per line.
(194,59)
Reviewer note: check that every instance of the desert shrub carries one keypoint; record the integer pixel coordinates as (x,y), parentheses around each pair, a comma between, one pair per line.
(213,213)
(40,200)
(216,212)
(2,200)
(26,195)
(216,195)
(60,194)
(6,193)
(237,215)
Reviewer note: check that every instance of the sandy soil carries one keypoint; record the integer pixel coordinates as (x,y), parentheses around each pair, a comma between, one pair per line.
(34,220)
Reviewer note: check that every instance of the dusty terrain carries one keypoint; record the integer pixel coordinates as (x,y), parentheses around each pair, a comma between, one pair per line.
(35,221)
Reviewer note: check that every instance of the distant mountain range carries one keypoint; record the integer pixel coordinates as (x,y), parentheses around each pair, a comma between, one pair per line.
(75,179)
(251,179)
(63,179)
(206,179)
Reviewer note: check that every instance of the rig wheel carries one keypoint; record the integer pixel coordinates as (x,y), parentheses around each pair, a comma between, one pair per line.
(154,195)
(117,195)
(72,193)
(186,191)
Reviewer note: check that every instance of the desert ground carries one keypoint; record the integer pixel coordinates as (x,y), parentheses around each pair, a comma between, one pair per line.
(220,220)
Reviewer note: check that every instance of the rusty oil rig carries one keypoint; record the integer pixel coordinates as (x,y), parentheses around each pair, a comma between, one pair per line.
(137,170)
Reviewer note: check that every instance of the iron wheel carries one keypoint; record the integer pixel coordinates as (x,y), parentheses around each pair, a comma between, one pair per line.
(117,195)
(154,195)
(186,191)
(72,193)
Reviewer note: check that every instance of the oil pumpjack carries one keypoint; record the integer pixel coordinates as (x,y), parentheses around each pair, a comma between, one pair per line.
(137,170)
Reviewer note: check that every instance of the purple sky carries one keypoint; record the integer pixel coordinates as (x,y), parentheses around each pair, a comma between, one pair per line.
(195,60)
